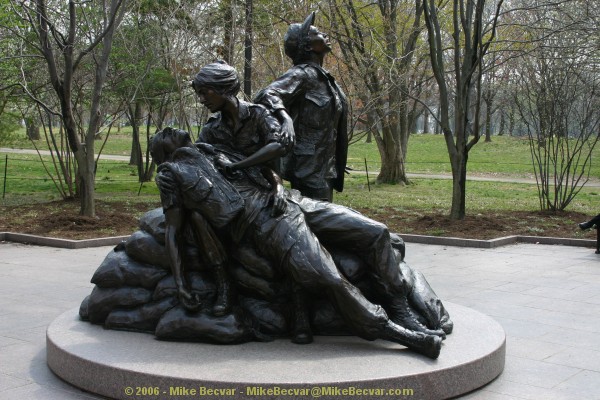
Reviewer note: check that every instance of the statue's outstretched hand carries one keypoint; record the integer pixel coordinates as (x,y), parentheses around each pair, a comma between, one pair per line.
(288,135)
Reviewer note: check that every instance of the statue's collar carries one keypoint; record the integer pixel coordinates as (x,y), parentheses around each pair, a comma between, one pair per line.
(313,64)
(243,109)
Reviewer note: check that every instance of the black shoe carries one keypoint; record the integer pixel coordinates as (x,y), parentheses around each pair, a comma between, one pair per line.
(223,304)
(301,331)
(585,225)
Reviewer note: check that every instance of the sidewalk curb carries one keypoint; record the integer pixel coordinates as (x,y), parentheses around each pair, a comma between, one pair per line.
(408,238)
(498,242)
(60,243)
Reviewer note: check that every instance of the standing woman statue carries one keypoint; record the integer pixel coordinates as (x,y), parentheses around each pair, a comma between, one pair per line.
(308,102)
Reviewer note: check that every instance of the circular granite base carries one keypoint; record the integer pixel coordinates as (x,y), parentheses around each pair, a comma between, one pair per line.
(128,365)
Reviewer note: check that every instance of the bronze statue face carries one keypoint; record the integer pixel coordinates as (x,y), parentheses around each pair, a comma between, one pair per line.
(210,98)
(319,41)
(165,142)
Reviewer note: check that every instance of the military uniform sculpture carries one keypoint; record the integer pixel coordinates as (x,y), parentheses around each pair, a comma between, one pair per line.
(225,258)
(310,96)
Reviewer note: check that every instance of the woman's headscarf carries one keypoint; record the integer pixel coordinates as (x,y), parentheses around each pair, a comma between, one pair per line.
(219,76)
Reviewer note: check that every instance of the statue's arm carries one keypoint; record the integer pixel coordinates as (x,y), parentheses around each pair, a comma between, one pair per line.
(278,143)
(263,155)
(287,126)
(173,227)
(281,95)
(174,224)
(283,91)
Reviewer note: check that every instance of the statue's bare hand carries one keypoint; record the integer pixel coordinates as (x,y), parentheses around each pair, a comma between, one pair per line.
(287,132)
(226,168)
(279,202)
(189,300)
(165,182)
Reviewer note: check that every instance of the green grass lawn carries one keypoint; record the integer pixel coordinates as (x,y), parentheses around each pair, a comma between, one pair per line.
(503,156)
(27,180)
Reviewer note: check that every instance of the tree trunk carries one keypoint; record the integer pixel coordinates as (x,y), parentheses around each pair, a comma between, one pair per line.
(392,164)
(149,165)
(372,125)
(426,122)
(228,42)
(84,178)
(32,129)
(459,185)
(248,50)
(488,124)
(135,115)
(403,135)
(85,182)
(391,168)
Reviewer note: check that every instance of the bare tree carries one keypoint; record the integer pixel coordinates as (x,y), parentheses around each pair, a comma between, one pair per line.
(559,97)
(65,36)
(458,76)
(381,55)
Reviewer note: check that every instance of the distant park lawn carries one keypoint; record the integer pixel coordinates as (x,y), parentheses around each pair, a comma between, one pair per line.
(505,156)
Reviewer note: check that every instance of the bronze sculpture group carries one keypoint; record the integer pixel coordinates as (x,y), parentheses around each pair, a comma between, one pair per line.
(234,256)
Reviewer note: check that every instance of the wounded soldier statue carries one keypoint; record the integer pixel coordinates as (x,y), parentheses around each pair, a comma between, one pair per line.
(233,256)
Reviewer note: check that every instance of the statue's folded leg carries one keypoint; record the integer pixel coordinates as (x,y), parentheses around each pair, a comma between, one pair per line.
(370,240)
(339,226)
(311,266)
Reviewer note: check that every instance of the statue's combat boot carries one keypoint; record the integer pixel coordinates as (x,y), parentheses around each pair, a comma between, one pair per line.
(428,345)
(401,314)
(301,331)
(222,305)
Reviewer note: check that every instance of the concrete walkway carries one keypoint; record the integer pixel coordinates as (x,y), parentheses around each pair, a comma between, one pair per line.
(547,298)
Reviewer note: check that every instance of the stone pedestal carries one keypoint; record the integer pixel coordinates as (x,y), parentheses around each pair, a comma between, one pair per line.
(127,365)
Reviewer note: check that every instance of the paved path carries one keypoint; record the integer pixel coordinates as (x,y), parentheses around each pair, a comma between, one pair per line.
(47,153)
(547,298)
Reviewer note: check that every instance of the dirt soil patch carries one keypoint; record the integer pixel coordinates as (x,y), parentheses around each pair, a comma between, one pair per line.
(114,218)
(61,219)
(484,226)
